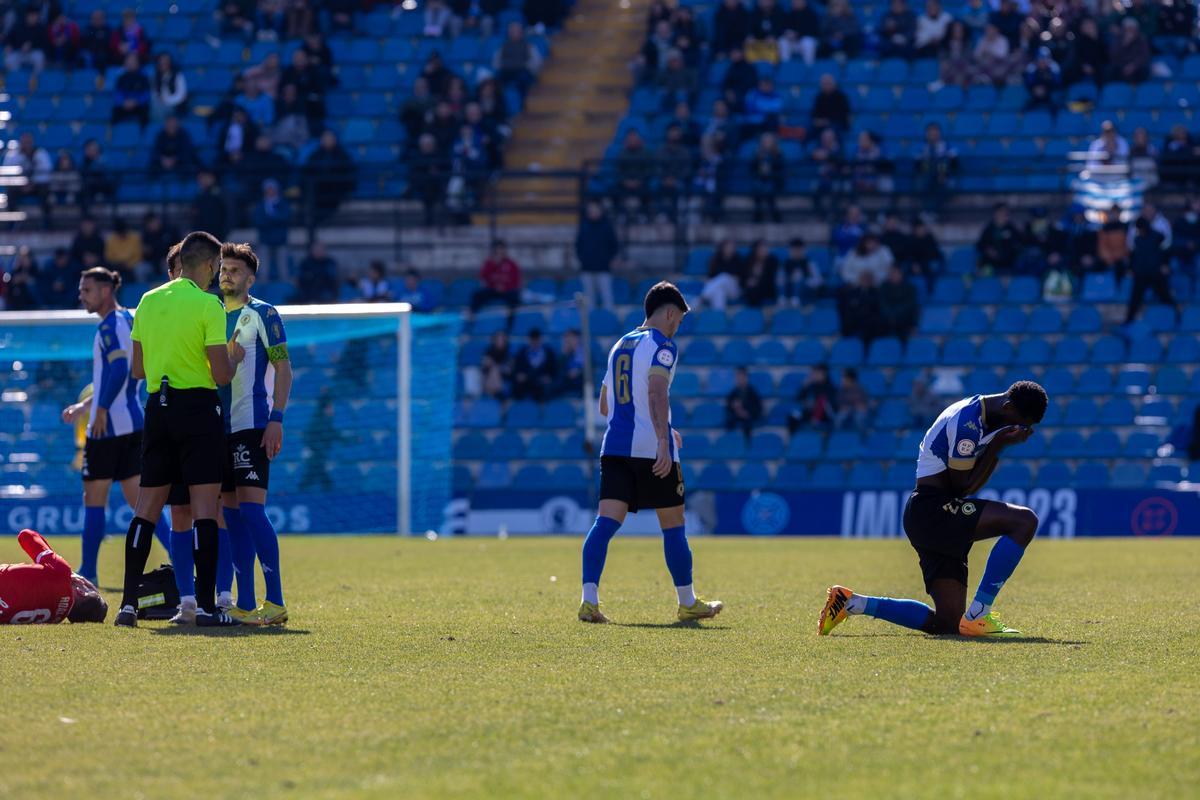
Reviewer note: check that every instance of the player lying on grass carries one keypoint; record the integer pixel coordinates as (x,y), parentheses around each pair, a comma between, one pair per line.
(942,519)
(639,459)
(46,591)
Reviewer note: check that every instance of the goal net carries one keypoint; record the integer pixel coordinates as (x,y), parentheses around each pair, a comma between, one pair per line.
(367,432)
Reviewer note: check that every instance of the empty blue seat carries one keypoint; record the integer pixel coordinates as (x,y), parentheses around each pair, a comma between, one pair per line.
(1117,411)
(1024,289)
(958,351)
(526,321)
(1142,444)
(1133,380)
(772,353)
(544,446)
(1044,319)
(686,384)
(483,413)
(1084,319)
(995,352)
(1032,351)
(843,446)
(707,415)
(1170,380)
(729,445)
(747,322)
(471,446)
(805,446)
(791,477)
(710,322)
(1101,443)
(1081,411)
(846,352)
(787,322)
(559,414)
(1108,350)
(971,321)
(1012,474)
(494,475)
(866,475)
(1146,350)
(1067,444)
(892,414)
(936,320)
(822,322)
(752,476)
(808,352)
(985,291)
(828,476)
(1183,350)
(1009,319)
(523,414)
(1054,475)
(737,353)
(766,446)
(1099,287)
(719,382)
(948,290)
(885,352)
(1166,473)
(921,352)
(1094,380)
(714,476)
(699,352)
(1091,474)
(1126,474)
(1155,412)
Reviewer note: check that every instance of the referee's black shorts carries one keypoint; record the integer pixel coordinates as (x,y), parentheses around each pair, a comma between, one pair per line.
(184,438)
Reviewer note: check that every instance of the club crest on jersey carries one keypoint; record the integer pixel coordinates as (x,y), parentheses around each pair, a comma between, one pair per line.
(244,321)
(965,447)
(665,357)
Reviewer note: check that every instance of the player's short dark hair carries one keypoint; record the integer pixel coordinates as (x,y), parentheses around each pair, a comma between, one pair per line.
(241,252)
(103,275)
(173,257)
(198,248)
(90,605)
(1029,399)
(664,293)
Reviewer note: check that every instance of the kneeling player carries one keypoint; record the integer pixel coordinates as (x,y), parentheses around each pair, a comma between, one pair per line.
(639,459)
(942,519)
(46,591)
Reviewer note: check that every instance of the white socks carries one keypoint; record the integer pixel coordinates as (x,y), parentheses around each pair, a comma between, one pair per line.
(186,600)
(591,593)
(857,604)
(225,599)
(687,597)
(977,610)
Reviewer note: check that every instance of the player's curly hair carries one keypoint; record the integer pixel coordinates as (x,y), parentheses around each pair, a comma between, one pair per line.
(241,252)
(1029,398)
(664,293)
(103,275)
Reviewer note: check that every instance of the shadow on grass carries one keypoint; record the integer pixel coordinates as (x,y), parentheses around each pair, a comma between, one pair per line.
(690,625)
(239,630)
(1011,640)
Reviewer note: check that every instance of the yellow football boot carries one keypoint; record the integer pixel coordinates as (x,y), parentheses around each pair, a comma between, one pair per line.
(271,614)
(987,625)
(834,612)
(590,612)
(701,609)
(243,616)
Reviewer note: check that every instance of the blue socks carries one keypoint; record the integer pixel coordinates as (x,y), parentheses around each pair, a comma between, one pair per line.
(1005,556)
(93,535)
(595,548)
(678,555)
(266,544)
(182,544)
(243,559)
(906,613)
(224,562)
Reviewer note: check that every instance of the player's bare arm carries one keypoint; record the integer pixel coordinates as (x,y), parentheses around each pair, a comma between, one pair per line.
(137,367)
(603,400)
(75,411)
(221,359)
(272,440)
(660,409)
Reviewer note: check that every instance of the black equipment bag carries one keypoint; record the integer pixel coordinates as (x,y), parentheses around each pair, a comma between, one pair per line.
(157,596)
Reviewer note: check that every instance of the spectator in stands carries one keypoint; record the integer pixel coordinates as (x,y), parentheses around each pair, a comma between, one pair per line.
(1006,19)
(894,238)
(272,217)
(128,40)
(542,14)
(1151,270)
(673,163)
(1143,158)
(428,173)
(676,81)
(993,57)
(291,122)
(170,93)
(653,55)
(1129,56)
(870,170)
(97,182)
(310,86)
(635,169)
(437,21)
(265,75)
(436,74)
(517,61)
(869,257)
(858,303)
(897,29)
(923,402)
(1088,54)
(597,248)
(412,292)
(173,152)
(87,246)
(926,254)
(320,57)
(1043,80)
(468,171)
(1081,241)
(743,404)
(237,17)
(58,281)
(1185,249)
(317,276)
(831,107)
(936,165)
(853,402)
(94,41)
(1112,243)
(767,172)
(763,105)
(740,77)
(711,170)
(999,243)
(830,159)
(132,95)
(64,41)
(36,168)
(443,127)
(689,129)
(417,109)
(730,27)
(496,366)
(264,163)
(157,239)
(27,41)
(500,279)
(20,284)
(801,280)
(341,13)
(535,370)
(374,287)
(818,401)
(724,284)
(330,176)
(1180,158)
(841,31)
(258,106)
(931,29)
(847,233)
(570,382)
(899,305)
(209,211)
(1158,222)
(802,30)
(759,278)
(767,24)
(65,181)
(123,250)
(1108,152)
(957,58)
(1044,245)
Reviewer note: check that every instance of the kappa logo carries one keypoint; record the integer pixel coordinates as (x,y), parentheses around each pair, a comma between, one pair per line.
(971,425)
(241,457)
(665,357)
(252,476)
(218,408)
(965,447)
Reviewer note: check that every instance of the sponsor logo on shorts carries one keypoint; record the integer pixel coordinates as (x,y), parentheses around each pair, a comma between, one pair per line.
(253,476)
(965,447)
(241,457)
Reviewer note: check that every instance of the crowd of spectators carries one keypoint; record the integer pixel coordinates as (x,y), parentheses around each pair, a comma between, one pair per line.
(536,370)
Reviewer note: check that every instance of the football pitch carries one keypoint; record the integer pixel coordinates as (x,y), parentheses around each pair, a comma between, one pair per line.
(416,669)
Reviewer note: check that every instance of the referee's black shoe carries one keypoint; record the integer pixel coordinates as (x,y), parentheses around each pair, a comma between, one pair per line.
(218,620)
(126,618)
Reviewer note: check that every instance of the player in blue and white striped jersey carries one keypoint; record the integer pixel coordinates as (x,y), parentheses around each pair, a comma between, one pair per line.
(113,449)
(254,404)
(639,459)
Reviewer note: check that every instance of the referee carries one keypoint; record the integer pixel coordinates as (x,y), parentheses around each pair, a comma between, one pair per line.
(179,347)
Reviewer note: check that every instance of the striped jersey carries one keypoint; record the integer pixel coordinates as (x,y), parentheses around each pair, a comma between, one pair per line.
(634,358)
(249,397)
(112,386)
(956,438)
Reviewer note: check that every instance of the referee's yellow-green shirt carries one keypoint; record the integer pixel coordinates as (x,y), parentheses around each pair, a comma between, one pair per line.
(174,323)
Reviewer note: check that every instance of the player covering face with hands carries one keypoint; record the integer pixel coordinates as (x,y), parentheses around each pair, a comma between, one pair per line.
(942,519)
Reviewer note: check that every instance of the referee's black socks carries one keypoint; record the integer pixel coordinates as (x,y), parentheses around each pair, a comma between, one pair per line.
(137,550)
(206,564)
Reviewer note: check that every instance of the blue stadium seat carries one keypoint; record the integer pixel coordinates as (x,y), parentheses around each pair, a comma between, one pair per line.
(958,351)
(508,444)
(985,291)
(846,352)
(698,352)
(1142,444)
(866,475)
(1117,411)
(1133,380)
(464,482)
(1108,350)
(1054,475)
(788,322)
(697,446)
(719,382)
(892,414)
(1099,287)
(1081,411)
(471,446)
(752,476)
(567,476)
(523,414)
(494,475)
(921,352)
(1090,474)
(874,381)
(1183,350)
(714,476)
(1012,474)
(962,261)
(808,352)
(747,322)
(531,476)
(710,322)
(791,477)
(936,320)
(1067,444)
(1102,443)
(899,476)
(483,413)
(885,352)
(559,414)
(686,384)
(1145,350)
(822,322)
(1009,320)
(1170,380)
(771,353)
(1095,380)
(1024,289)
(1126,474)
(707,415)
(729,445)
(995,352)
(737,353)
(766,446)
(1084,319)
(828,476)
(1166,473)
(1155,412)
(805,446)
(843,446)
(948,290)
(1160,319)
(1044,319)
(543,446)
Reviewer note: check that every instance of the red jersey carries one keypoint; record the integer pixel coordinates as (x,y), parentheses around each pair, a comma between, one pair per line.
(39,592)
(502,276)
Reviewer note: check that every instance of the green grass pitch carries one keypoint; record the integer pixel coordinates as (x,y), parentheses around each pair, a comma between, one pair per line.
(417,669)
